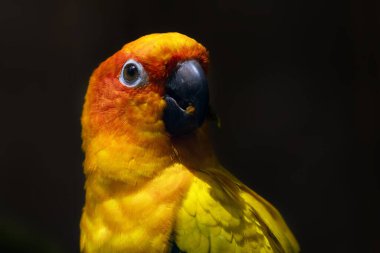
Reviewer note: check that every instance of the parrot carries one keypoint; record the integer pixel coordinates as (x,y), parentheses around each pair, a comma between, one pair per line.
(153,182)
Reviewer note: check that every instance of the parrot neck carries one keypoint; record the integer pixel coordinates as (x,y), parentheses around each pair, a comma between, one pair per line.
(134,159)
(131,159)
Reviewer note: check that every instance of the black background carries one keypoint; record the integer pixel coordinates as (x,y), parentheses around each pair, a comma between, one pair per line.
(295,83)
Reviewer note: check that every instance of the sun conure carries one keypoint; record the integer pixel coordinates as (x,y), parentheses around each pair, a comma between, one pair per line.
(153,182)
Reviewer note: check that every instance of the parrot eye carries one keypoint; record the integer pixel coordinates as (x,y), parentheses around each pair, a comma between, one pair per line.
(132,74)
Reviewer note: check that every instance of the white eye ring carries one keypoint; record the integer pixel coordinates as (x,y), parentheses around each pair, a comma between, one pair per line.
(133,74)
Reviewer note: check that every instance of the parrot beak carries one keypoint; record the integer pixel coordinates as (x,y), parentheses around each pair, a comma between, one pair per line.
(187,98)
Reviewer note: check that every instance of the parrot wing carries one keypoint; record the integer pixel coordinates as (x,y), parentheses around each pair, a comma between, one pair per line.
(220,214)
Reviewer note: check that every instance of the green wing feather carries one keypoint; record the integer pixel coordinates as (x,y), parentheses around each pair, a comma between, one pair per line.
(220,214)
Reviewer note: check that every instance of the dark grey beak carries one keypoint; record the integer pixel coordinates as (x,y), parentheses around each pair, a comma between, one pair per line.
(187,98)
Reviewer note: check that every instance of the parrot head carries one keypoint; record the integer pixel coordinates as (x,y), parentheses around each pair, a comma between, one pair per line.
(154,84)
(140,99)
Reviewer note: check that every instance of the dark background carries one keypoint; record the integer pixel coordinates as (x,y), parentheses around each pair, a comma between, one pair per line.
(295,83)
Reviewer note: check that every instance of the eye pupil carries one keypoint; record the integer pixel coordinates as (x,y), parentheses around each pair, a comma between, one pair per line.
(131,72)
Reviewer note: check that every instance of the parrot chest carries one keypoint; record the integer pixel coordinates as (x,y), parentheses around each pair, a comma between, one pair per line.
(117,218)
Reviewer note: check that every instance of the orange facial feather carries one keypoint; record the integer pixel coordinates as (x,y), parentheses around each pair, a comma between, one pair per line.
(110,105)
